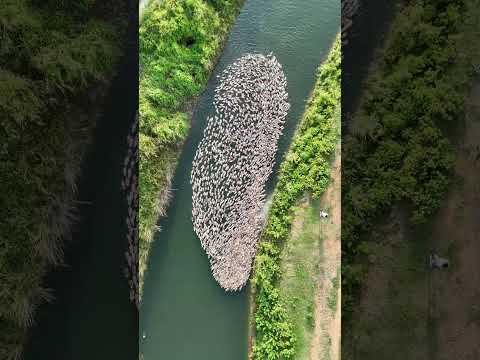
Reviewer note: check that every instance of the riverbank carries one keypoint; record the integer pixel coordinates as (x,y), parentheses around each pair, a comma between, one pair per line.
(47,131)
(306,169)
(400,167)
(174,71)
(310,265)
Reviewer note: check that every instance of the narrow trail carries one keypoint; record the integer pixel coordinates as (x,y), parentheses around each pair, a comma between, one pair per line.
(325,343)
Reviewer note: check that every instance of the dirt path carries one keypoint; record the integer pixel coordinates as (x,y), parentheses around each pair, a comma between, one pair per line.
(325,344)
(455,292)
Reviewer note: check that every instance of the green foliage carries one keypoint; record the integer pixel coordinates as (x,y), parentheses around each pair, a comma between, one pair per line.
(19,104)
(305,169)
(275,338)
(71,64)
(49,57)
(179,41)
(400,154)
(332,299)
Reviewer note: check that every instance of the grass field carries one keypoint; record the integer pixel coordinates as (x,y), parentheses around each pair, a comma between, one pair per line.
(300,263)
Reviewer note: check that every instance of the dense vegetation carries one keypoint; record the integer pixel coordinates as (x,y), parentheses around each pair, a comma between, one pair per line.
(179,42)
(52,53)
(306,169)
(399,153)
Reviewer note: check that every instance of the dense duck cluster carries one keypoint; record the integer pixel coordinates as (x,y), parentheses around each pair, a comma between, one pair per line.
(130,188)
(233,162)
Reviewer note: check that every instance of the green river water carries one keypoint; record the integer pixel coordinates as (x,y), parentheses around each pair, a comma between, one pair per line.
(185,315)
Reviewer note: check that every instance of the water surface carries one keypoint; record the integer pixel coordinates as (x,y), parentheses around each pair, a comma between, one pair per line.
(185,314)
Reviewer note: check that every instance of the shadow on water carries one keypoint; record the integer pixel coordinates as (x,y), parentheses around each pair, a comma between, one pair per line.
(185,314)
(370,24)
(91,316)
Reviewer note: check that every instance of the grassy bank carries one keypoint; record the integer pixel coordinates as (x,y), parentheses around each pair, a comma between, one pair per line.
(300,261)
(401,149)
(180,41)
(56,60)
(306,169)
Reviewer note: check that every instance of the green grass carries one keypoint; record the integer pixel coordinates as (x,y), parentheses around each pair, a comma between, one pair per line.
(179,43)
(300,267)
(332,299)
(51,53)
(326,354)
(306,169)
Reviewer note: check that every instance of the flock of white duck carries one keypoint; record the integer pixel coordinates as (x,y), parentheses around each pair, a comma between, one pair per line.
(233,163)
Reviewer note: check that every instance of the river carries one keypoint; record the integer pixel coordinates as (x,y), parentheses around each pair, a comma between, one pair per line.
(184,314)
